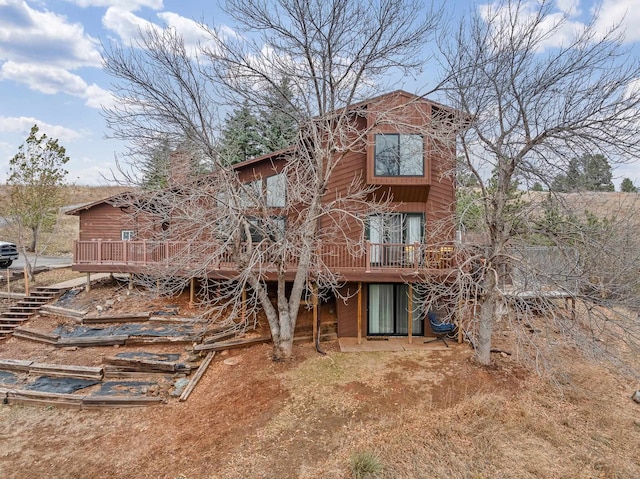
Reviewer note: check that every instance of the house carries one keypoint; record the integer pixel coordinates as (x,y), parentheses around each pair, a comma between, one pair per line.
(399,161)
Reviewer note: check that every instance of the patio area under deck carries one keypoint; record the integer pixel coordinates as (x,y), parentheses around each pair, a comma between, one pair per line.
(395,343)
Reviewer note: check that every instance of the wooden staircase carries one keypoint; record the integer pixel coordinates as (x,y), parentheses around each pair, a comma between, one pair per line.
(26,308)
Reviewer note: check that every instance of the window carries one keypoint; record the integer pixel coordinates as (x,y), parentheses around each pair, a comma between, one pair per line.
(389,310)
(399,155)
(251,194)
(276,190)
(397,228)
(273,226)
(389,235)
(126,235)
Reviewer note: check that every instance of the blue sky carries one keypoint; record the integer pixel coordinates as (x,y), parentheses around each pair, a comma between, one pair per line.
(50,67)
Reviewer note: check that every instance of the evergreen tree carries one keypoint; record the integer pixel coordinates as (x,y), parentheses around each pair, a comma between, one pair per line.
(627,186)
(587,173)
(155,167)
(278,126)
(240,137)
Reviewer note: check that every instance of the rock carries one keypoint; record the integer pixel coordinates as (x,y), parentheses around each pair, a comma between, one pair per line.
(232,361)
(99,308)
(108,303)
(224,353)
(636,396)
(504,355)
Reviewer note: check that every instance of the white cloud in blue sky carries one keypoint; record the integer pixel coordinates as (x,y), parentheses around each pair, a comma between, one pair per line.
(50,65)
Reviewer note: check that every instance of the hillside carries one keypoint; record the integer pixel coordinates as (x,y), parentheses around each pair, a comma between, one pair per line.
(423,414)
(60,242)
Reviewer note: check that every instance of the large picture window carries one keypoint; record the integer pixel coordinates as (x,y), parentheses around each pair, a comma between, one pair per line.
(277,190)
(389,310)
(399,155)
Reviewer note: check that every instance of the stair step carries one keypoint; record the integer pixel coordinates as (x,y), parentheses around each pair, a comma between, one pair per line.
(16,314)
(5,320)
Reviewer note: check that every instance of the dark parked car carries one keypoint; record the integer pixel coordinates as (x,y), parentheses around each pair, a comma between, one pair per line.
(8,253)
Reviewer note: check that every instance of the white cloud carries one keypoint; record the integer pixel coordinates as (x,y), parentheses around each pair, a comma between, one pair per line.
(570,7)
(28,35)
(125,24)
(626,12)
(23,124)
(131,5)
(191,32)
(52,80)
(128,26)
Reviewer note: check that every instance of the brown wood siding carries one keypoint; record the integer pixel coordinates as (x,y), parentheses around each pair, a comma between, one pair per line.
(260,170)
(104,221)
(348,312)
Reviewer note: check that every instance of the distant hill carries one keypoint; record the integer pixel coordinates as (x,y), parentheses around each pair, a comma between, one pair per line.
(61,242)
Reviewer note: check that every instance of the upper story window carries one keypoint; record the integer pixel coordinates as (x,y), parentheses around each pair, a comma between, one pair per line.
(126,235)
(277,190)
(399,155)
(251,194)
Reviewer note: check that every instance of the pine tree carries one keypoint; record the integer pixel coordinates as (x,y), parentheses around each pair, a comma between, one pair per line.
(587,173)
(278,126)
(240,137)
(627,186)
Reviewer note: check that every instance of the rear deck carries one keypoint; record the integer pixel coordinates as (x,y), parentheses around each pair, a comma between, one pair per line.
(375,262)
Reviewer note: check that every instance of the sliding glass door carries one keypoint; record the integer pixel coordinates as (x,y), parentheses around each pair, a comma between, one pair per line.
(389,310)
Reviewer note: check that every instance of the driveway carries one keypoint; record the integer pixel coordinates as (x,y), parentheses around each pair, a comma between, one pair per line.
(49,261)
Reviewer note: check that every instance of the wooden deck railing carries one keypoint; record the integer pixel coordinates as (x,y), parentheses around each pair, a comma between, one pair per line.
(337,257)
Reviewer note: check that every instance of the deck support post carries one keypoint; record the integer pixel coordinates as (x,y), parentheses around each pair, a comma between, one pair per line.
(359,313)
(87,286)
(459,320)
(243,310)
(26,280)
(130,281)
(8,282)
(192,292)
(314,302)
(410,315)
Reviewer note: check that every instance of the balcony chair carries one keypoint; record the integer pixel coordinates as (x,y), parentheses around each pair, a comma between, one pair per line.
(441,330)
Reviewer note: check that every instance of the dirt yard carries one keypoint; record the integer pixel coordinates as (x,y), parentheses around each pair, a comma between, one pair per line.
(426,414)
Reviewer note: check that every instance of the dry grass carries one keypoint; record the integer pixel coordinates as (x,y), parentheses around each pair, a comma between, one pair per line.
(60,241)
(45,278)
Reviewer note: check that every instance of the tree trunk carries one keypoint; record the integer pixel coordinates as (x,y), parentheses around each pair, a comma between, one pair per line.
(283,342)
(34,237)
(487,313)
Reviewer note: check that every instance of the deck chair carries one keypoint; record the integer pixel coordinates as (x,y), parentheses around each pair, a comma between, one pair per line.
(441,330)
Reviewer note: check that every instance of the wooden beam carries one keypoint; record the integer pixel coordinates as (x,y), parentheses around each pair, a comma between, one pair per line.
(410,315)
(459,319)
(196,377)
(359,313)
(26,281)
(314,302)
(192,292)
(87,286)
(244,305)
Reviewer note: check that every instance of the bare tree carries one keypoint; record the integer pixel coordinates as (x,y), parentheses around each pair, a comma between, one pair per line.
(333,55)
(36,178)
(536,92)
